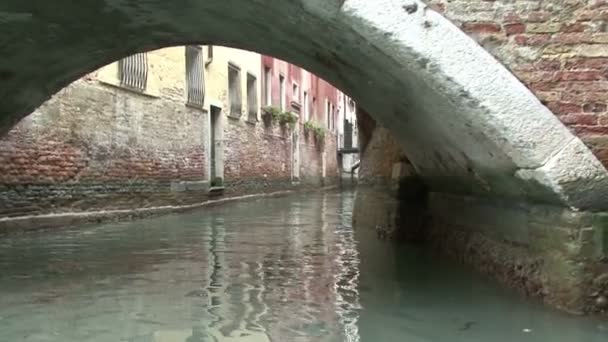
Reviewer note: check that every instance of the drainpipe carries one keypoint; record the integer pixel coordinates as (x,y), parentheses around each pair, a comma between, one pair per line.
(209,56)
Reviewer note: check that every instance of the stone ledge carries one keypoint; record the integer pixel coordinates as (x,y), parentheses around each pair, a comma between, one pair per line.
(9,225)
(183,186)
(35,222)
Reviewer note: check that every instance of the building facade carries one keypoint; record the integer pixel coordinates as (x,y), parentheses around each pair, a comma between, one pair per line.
(172,127)
(314,101)
(348,136)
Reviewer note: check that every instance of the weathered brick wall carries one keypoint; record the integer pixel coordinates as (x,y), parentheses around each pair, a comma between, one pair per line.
(558,48)
(92,147)
(259,157)
(254,150)
(256,157)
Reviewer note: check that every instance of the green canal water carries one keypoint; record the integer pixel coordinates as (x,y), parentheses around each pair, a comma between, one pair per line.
(276,269)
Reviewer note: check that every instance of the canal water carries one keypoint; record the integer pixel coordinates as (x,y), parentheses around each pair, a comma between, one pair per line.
(275,269)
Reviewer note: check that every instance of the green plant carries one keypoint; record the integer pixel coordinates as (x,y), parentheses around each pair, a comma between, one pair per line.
(319,134)
(274,114)
(288,118)
(309,126)
(270,114)
(318,131)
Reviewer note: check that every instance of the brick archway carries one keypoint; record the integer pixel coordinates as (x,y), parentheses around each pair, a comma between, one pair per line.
(468,124)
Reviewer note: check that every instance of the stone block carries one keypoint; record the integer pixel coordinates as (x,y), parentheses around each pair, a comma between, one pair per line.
(178,187)
(197,185)
(543,27)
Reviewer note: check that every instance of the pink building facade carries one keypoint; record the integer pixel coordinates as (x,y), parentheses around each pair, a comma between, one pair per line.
(294,89)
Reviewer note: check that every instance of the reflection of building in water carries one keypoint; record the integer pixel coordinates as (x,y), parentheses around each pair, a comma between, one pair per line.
(298,285)
(226,312)
(347,260)
(234,288)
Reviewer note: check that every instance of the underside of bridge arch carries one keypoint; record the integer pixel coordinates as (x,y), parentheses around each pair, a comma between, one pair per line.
(467,125)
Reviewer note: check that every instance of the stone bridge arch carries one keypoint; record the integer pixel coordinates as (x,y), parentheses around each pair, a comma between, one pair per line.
(467,123)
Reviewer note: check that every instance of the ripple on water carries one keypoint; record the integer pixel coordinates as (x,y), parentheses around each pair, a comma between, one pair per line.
(277,269)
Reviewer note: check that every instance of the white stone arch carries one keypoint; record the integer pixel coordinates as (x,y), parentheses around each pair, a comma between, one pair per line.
(468,125)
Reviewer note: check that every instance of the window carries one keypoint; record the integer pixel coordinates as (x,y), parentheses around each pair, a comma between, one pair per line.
(296,93)
(234,90)
(282,92)
(305,105)
(252,98)
(314,106)
(195,82)
(267,87)
(133,71)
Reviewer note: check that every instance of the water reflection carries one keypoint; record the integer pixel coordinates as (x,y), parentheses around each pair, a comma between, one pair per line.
(276,270)
(268,270)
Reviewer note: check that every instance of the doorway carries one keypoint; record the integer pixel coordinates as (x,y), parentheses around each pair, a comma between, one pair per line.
(215,144)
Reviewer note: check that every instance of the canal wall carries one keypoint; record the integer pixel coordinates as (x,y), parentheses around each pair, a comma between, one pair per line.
(547,252)
(552,253)
(99,147)
(15,225)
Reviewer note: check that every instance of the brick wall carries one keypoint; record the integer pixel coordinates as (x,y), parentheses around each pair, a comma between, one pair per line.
(558,48)
(256,151)
(258,157)
(94,146)
(91,147)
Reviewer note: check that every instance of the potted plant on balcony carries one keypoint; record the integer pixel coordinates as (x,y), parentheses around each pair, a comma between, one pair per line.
(270,114)
(288,118)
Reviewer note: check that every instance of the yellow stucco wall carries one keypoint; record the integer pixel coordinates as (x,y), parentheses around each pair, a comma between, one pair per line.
(167,75)
(216,76)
